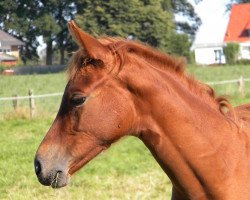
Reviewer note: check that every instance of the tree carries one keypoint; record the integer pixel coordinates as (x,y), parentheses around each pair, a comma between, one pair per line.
(18,20)
(52,23)
(48,28)
(151,21)
(184,10)
(129,18)
(28,19)
(180,45)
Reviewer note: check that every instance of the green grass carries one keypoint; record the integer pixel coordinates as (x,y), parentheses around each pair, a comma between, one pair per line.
(125,171)
(51,83)
(211,74)
(40,84)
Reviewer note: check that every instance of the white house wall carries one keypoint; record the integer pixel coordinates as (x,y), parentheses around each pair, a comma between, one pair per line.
(244,50)
(206,55)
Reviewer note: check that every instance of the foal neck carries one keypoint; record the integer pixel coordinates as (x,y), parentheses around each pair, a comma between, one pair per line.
(188,137)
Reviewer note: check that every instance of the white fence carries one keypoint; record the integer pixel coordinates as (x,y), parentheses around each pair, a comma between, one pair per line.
(32,97)
(31,100)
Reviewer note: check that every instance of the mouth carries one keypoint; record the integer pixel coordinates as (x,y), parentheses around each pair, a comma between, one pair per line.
(59,180)
(55,180)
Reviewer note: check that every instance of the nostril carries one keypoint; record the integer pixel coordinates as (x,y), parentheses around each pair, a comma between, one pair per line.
(38,167)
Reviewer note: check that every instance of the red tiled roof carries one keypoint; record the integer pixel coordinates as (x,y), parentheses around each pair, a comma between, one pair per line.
(248,25)
(239,24)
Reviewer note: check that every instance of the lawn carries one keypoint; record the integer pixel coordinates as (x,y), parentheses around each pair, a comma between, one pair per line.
(39,84)
(125,171)
(210,74)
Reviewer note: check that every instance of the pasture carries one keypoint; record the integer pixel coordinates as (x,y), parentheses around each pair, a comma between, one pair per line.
(125,171)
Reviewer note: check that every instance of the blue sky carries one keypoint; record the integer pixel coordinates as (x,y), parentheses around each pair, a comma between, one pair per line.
(214,20)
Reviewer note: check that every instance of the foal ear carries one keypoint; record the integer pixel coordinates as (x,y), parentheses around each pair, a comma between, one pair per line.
(91,45)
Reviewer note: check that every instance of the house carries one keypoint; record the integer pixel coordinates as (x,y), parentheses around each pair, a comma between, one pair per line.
(7,60)
(238,29)
(209,53)
(9,49)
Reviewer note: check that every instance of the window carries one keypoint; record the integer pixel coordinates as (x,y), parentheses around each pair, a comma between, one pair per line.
(218,55)
(247,49)
(248,32)
(245,52)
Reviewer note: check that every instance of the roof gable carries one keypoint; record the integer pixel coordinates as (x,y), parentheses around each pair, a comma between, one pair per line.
(239,24)
(8,40)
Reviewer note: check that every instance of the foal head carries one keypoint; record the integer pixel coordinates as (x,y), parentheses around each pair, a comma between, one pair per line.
(96,110)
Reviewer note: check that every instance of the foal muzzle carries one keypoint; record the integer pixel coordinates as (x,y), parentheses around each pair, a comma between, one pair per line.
(55,177)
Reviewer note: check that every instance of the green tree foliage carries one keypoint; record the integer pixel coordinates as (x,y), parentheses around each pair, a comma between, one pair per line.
(184,10)
(231,51)
(18,20)
(180,45)
(144,21)
(28,19)
(52,24)
(150,21)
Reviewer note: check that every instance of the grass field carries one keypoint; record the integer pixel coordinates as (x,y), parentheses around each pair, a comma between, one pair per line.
(125,171)
(40,84)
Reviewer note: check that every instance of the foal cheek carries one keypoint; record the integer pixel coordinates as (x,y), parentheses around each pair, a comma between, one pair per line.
(106,116)
(106,124)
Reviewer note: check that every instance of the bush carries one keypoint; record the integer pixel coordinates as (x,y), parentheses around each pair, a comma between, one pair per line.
(243,62)
(1,68)
(231,52)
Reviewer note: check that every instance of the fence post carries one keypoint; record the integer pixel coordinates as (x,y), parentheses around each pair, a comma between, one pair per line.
(31,103)
(14,102)
(241,86)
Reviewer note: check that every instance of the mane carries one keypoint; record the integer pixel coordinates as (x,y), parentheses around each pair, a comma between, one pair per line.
(120,48)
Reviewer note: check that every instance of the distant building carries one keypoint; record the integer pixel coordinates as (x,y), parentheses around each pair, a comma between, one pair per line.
(209,54)
(238,29)
(9,49)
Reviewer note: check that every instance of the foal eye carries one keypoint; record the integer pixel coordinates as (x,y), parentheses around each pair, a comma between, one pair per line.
(77,100)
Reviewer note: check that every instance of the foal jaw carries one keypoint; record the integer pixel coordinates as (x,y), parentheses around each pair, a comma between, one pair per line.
(79,163)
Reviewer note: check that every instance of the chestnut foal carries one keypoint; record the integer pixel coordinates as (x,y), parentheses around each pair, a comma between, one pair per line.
(118,87)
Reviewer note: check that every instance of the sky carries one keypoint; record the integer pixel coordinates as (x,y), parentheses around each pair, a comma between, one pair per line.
(214,20)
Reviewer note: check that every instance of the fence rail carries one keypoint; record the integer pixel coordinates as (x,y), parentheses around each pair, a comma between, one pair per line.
(240,80)
(32,97)
(223,82)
